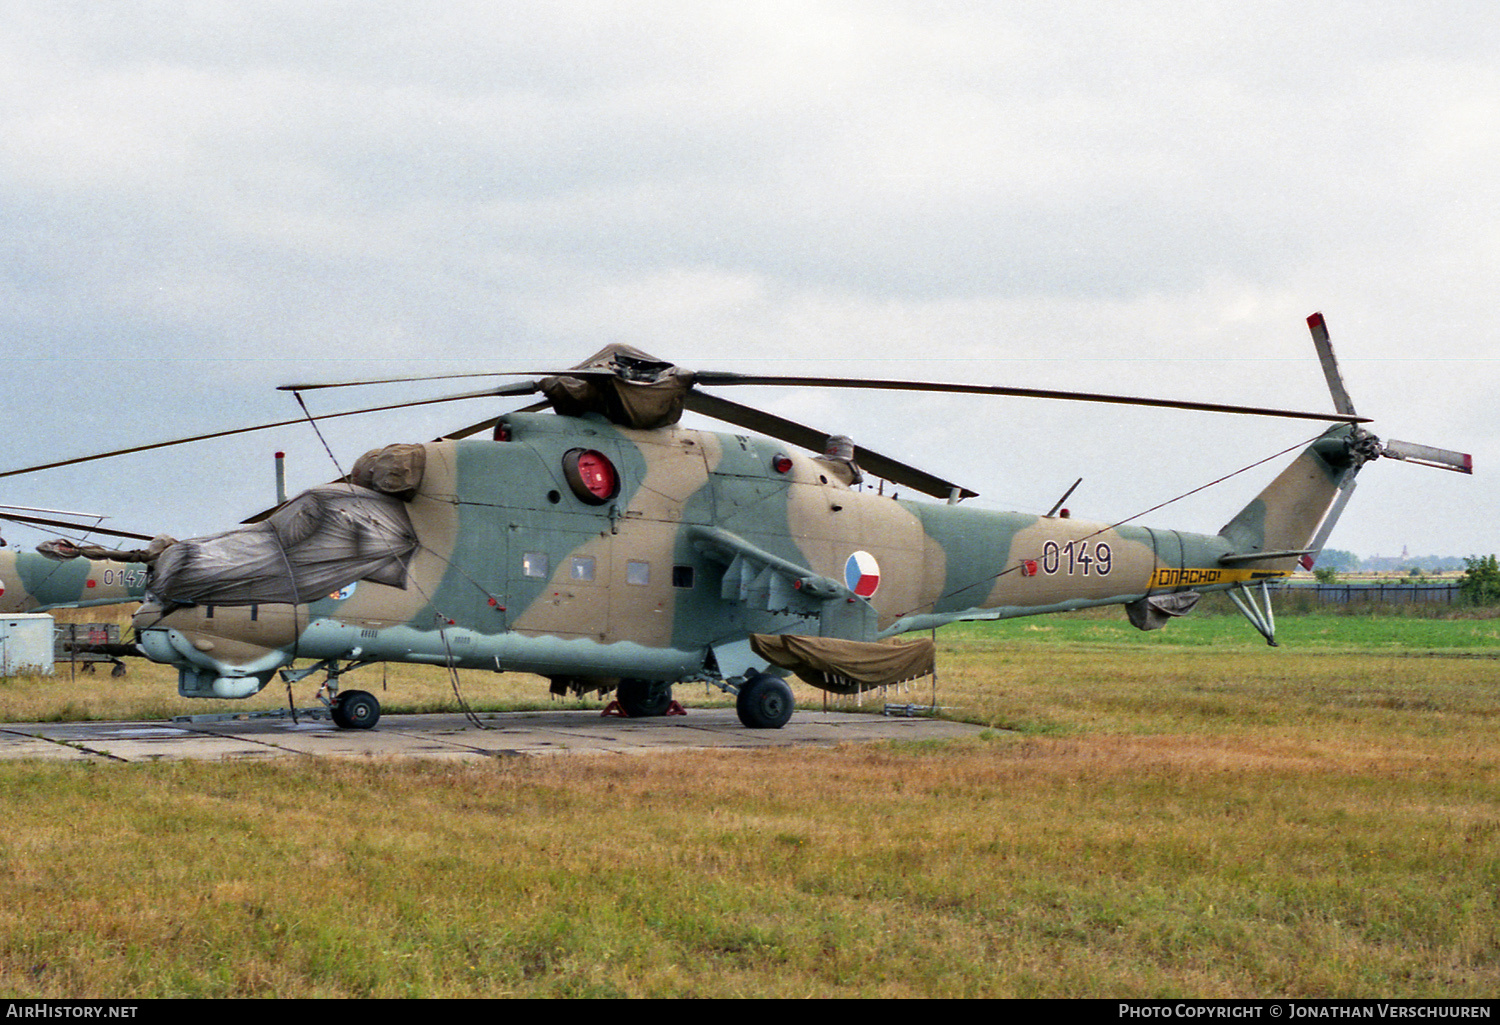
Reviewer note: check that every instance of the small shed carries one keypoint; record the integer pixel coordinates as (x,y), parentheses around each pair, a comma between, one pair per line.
(26,644)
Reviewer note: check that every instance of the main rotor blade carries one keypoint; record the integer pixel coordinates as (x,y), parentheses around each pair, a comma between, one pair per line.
(524,388)
(607,362)
(487,393)
(462,432)
(1324,345)
(484,425)
(714,377)
(471,430)
(1441,458)
(892,470)
(82,528)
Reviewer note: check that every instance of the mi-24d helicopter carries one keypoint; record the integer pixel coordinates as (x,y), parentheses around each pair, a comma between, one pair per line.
(604,547)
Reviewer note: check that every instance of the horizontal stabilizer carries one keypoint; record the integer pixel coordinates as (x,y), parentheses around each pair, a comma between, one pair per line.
(1235,559)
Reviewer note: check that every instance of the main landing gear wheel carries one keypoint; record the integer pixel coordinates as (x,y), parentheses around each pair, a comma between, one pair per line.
(355,710)
(643,699)
(765,702)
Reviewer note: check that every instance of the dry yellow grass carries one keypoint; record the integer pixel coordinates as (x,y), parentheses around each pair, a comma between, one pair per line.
(1168,820)
(1015,867)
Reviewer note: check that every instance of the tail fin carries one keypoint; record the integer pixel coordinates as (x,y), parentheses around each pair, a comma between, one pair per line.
(1285,518)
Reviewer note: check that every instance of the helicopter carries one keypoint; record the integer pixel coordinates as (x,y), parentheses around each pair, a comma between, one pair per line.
(605,547)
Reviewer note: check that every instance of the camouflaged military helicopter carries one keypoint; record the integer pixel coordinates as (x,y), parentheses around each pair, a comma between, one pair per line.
(607,548)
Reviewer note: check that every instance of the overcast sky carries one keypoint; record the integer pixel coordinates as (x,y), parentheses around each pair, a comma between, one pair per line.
(204,200)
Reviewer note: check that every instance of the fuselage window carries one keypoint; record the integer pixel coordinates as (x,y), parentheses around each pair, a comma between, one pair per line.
(682,576)
(582,568)
(534,564)
(638,572)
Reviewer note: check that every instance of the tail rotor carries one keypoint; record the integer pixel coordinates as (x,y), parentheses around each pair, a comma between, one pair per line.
(1363,444)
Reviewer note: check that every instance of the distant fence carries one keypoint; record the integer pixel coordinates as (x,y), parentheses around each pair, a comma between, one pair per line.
(1393,593)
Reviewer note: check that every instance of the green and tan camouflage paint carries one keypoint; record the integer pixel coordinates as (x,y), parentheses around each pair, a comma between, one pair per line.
(30,582)
(705,543)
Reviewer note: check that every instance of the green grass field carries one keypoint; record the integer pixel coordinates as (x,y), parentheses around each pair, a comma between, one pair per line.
(1182,813)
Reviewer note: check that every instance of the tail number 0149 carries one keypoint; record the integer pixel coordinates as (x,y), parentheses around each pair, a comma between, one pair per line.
(1076,558)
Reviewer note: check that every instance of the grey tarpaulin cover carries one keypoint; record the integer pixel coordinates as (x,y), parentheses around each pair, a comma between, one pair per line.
(318,542)
(1157,610)
(627,386)
(395,469)
(847,667)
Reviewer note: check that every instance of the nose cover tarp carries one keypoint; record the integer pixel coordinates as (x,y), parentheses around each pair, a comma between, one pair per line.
(317,543)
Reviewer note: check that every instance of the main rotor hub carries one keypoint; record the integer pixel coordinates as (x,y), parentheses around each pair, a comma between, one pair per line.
(634,368)
(1364,446)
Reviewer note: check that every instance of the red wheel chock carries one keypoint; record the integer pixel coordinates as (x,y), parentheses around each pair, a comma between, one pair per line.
(614,709)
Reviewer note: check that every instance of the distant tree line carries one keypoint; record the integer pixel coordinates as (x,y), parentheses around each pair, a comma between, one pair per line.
(1481,581)
(1347,562)
(1479,585)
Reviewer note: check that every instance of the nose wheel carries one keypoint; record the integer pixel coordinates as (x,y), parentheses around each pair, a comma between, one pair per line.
(354,710)
(349,709)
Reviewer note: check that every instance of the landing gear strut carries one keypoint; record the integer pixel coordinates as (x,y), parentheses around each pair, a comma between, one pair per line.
(349,709)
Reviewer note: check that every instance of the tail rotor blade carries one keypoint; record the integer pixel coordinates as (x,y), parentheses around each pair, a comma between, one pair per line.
(1441,458)
(1324,345)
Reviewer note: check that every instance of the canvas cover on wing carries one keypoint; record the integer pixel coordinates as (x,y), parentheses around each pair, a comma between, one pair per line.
(847,667)
(320,541)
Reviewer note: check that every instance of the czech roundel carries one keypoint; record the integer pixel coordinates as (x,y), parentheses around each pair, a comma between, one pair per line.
(862,574)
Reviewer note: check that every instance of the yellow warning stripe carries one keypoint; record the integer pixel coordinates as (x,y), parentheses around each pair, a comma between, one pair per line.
(1168,577)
